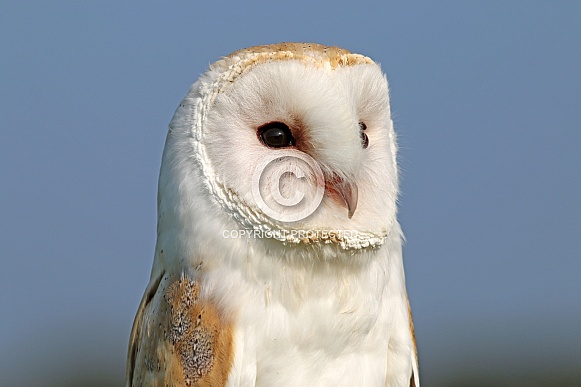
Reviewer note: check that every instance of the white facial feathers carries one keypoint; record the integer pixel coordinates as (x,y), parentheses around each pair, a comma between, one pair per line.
(324,99)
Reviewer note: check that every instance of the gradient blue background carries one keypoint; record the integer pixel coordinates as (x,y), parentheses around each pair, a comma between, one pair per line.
(487,103)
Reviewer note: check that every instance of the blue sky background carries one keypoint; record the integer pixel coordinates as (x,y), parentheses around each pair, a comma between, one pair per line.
(486,98)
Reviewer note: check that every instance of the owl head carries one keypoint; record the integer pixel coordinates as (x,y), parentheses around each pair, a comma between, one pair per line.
(291,143)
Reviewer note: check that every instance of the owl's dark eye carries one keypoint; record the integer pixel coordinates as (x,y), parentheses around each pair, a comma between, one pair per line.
(276,135)
(364,138)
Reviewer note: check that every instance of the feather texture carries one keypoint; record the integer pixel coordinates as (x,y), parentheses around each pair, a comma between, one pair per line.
(238,297)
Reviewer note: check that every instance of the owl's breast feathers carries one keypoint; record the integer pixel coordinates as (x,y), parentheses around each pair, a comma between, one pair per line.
(178,339)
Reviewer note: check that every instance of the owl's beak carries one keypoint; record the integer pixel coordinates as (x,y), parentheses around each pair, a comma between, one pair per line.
(347,191)
(350,194)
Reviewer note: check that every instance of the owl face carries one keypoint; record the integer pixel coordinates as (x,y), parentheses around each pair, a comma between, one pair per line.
(297,140)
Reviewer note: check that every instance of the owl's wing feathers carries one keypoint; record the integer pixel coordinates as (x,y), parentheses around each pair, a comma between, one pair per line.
(415,378)
(178,339)
(136,333)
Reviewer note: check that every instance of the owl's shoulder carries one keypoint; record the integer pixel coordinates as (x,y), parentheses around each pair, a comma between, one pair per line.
(178,338)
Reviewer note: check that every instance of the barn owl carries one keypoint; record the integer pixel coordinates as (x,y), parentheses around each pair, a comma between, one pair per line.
(278,259)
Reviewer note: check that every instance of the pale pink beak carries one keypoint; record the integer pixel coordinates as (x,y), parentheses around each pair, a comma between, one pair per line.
(347,191)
